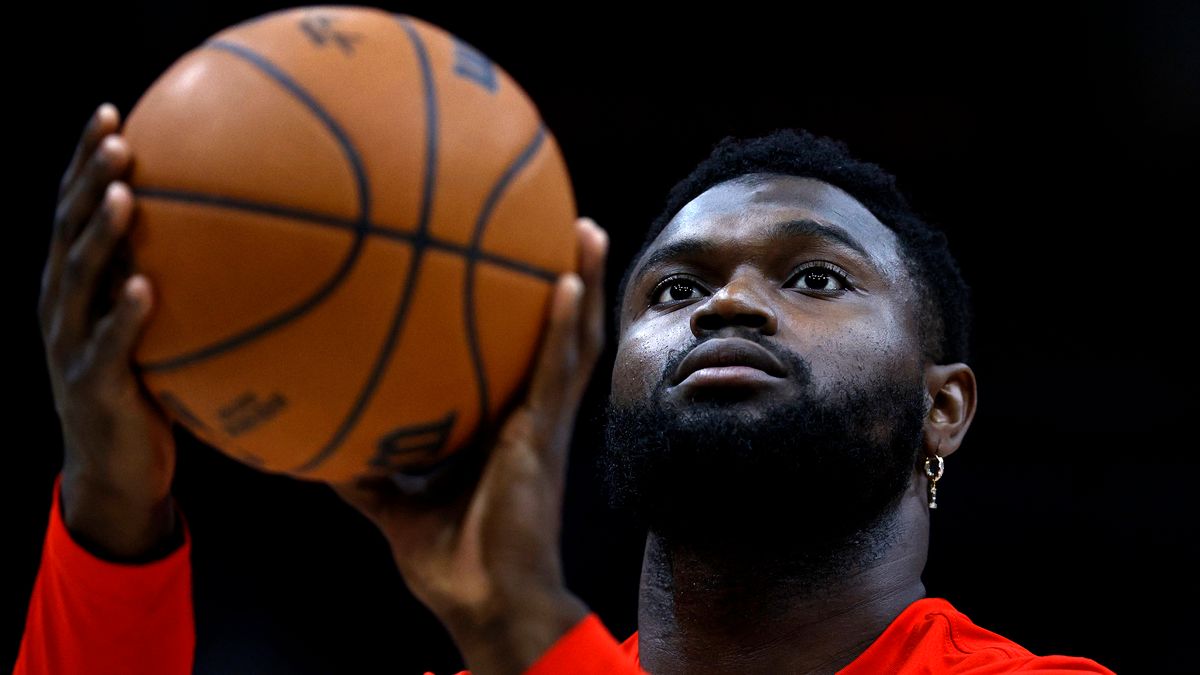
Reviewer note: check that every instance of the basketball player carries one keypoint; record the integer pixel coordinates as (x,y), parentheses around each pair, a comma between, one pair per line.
(790,377)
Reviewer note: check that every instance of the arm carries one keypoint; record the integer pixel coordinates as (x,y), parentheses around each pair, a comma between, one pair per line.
(91,615)
(103,601)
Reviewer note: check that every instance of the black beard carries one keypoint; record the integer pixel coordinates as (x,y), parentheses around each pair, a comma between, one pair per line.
(805,480)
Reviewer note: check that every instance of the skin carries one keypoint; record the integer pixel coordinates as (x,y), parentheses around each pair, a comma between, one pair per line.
(487,562)
(747,282)
(118,454)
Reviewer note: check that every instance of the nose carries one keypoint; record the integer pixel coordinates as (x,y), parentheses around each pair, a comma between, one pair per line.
(744,301)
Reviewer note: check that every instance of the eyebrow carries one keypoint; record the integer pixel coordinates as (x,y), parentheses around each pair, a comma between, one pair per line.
(779,233)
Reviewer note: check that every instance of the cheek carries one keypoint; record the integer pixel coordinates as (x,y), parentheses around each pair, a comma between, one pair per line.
(857,349)
(641,356)
(895,342)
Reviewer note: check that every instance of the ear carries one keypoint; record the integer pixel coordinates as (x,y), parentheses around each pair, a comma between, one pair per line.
(952,388)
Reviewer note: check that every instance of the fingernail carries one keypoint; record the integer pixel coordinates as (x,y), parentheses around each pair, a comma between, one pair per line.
(110,200)
(134,289)
(574,284)
(109,145)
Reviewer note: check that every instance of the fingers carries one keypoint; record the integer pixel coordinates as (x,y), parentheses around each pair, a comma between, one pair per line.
(593,253)
(574,340)
(560,351)
(70,286)
(83,193)
(82,205)
(88,258)
(116,333)
(104,121)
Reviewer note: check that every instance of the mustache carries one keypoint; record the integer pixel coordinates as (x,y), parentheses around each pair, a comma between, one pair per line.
(798,368)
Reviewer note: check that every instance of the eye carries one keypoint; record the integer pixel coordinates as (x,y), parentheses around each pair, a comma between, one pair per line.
(673,289)
(822,277)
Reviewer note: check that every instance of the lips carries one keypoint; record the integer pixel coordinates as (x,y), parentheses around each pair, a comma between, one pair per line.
(728,352)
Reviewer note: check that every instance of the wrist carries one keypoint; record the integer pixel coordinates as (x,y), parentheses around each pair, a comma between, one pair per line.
(114,528)
(510,635)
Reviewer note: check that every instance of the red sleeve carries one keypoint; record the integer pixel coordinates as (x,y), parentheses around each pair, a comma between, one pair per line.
(587,649)
(88,615)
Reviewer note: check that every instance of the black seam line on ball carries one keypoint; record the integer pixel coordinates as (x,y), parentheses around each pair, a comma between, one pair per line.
(360,224)
(314,218)
(485,215)
(420,241)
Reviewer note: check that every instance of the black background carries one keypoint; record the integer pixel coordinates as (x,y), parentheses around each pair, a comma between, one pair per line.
(1053,145)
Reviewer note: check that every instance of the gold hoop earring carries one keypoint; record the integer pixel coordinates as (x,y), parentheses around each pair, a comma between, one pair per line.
(934,475)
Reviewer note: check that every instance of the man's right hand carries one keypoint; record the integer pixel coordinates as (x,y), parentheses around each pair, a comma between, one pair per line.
(119,455)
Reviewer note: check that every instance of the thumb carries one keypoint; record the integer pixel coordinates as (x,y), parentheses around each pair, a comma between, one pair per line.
(553,392)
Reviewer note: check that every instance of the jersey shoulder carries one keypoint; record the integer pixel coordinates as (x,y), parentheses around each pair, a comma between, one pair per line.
(931,636)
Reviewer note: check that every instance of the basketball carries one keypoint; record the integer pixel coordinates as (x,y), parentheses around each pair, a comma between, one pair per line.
(353,222)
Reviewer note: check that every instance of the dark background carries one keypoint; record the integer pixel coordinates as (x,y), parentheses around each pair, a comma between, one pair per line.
(1054,146)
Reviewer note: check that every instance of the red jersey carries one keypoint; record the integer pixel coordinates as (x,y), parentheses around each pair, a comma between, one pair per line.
(91,616)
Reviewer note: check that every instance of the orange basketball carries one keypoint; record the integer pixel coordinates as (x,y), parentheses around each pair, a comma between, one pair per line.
(353,222)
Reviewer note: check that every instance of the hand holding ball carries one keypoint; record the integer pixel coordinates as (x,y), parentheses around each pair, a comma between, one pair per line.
(353,222)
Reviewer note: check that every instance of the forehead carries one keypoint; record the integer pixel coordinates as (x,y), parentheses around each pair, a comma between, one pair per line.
(746,209)
(756,201)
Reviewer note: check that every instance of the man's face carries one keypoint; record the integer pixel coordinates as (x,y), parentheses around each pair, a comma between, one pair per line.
(806,387)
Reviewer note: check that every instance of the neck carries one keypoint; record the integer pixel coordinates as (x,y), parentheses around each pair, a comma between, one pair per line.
(725,612)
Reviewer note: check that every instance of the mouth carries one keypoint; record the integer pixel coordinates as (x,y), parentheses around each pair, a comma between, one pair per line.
(728,362)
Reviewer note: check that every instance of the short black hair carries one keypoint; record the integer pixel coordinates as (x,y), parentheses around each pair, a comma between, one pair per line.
(943,297)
